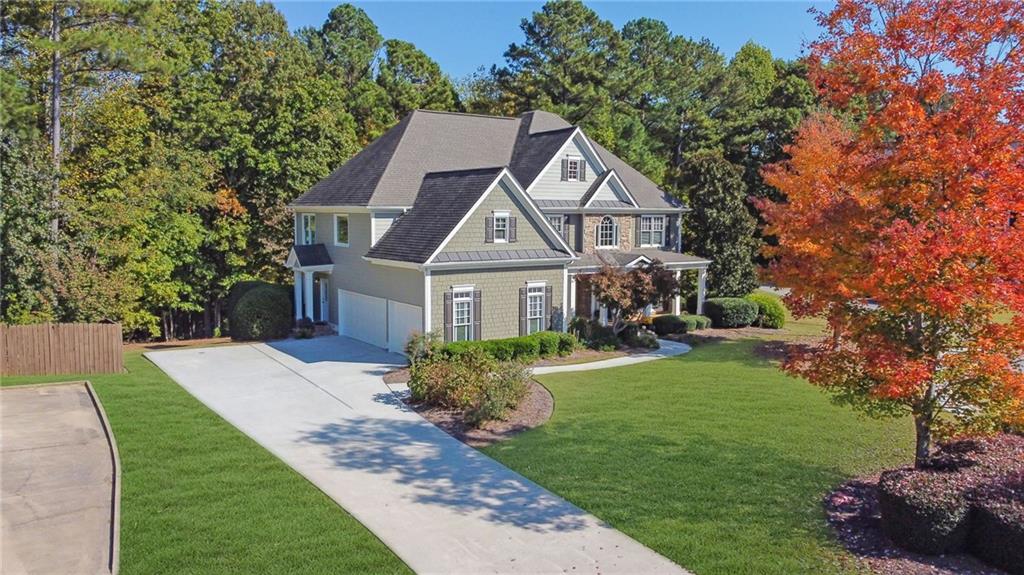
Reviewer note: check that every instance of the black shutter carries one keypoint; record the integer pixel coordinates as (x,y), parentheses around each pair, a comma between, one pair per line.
(512,229)
(448,317)
(565,169)
(489,230)
(547,306)
(477,312)
(583,170)
(522,311)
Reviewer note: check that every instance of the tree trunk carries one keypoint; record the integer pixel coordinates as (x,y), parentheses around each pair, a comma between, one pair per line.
(923,445)
(56,78)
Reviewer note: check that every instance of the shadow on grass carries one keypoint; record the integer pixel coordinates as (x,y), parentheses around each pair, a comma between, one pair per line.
(440,471)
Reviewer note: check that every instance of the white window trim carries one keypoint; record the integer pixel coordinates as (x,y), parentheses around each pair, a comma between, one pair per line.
(561,222)
(303,229)
(349,220)
(615,235)
(569,159)
(461,294)
(664,226)
(543,304)
(495,216)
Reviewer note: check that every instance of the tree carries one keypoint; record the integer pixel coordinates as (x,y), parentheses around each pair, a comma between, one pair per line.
(902,227)
(719,225)
(625,293)
(413,81)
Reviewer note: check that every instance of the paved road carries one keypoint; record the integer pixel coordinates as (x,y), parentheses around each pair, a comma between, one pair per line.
(321,406)
(56,491)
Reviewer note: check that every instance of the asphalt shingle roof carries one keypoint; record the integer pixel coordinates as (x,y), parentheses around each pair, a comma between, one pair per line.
(444,198)
(312,255)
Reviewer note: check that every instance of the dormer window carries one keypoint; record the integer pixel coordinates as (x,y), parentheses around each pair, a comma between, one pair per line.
(574,169)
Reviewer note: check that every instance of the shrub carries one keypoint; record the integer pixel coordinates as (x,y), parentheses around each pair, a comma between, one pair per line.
(567,344)
(304,328)
(243,287)
(997,526)
(924,512)
(547,343)
(771,312)
(701,321)
(263,312)
(473,381)
(593,334)
(422,346)
(636,336)
(668,324)
(525,348)
(730,312)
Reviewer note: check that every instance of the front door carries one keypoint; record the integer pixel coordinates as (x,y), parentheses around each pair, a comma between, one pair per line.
(324,298)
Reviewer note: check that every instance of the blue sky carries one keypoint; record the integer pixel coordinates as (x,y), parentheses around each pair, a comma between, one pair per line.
(462,36)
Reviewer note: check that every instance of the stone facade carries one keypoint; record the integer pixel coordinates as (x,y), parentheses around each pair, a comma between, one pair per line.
(590,222)
(499,296)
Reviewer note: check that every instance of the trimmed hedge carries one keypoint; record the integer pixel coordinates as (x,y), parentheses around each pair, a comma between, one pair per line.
(729,312)
(668,324)
(264,312)
(702,321)
(971,495)
(243,287)
(523,348)
(771,312)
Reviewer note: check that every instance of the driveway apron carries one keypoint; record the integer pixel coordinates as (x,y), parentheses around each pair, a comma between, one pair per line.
(321,406)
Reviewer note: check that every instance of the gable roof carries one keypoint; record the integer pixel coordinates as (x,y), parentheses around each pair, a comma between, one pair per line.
(391,170)
(444,199)
(310,255)
(589,198)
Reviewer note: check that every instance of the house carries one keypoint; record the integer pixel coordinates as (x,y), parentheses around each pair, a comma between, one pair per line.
(478,227)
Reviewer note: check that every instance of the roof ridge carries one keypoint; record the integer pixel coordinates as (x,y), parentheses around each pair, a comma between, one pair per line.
(495,168)
(445,112)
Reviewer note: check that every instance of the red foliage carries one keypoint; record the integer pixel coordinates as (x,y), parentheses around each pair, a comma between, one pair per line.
(911,197)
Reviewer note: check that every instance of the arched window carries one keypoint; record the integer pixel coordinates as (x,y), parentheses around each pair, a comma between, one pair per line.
(607,233)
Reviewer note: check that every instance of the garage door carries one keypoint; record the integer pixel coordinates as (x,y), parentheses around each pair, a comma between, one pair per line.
(403,320)
(363,317)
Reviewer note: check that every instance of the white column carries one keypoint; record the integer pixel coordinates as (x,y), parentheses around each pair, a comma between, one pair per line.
(298,294)
(307,294)
(676,308)
(426,302)
(572,297)
(702,277)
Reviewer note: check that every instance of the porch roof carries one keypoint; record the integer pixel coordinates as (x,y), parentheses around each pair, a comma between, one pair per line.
(309,256)
(624,258)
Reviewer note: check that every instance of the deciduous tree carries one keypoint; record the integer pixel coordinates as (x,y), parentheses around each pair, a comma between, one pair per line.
(625,293)
(904,228)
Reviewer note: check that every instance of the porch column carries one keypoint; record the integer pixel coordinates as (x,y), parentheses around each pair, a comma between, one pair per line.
(571,313)
(676,309)
(702,278)
(298,294)
(307,290)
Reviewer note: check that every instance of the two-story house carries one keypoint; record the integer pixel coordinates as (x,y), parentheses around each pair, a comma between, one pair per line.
(478,227)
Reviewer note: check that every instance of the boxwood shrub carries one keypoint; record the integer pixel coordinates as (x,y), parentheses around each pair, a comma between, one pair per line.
(729,312)
(668,324)
(264,312)
(701,321)
(523,348)
(771,312)
(997,526)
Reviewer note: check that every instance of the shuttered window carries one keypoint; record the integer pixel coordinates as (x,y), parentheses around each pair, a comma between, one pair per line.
(534,308)
(462,315)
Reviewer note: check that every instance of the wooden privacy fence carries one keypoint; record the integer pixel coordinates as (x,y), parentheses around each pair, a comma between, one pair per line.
(60,348)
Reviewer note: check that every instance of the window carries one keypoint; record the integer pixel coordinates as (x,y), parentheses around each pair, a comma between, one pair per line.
(572,169)
(534,308)
(556,222)
(462,315)
(500,227)
(307,234)
(341,230)
(607,233)
(652,230)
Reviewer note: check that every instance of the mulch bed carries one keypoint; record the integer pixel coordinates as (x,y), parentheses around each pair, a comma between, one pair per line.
(534,410)
(852,512)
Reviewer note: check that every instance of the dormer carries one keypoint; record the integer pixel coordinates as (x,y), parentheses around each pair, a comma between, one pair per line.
(570,172)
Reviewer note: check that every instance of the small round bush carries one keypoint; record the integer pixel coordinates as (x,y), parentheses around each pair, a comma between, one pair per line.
(262,313)
(771,312)
(702,321)
(567,344)
(547,343)
(730,312)
(668,324)
(925,512)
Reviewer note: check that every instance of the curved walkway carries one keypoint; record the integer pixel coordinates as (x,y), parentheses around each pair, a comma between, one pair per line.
(60,489)
(667,349)
(322,407)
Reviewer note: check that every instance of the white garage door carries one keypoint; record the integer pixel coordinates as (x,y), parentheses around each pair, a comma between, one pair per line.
(363,317)
(403,320)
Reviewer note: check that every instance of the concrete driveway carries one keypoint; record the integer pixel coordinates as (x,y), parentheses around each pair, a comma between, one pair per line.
(59,494)
(321,406)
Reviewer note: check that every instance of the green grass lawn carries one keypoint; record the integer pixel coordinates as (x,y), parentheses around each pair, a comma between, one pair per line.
(715,458)
(198,496)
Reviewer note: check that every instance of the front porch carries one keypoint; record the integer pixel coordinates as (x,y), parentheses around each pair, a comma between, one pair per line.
(312,267)
(582,304)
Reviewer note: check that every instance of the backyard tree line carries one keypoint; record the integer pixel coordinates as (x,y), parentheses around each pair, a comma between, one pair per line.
(149,149)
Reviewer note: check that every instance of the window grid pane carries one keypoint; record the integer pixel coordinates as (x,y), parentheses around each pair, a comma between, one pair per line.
(606,232)
(556,222)
(341,225)
(573,169)
(501,227)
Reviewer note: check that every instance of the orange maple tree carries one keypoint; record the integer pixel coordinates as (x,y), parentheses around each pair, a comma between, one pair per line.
(904,214)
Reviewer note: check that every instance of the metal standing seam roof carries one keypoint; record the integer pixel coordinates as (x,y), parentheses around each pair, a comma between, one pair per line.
(498,255)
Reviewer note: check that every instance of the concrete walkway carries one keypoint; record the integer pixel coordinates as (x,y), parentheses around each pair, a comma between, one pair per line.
(443,507)
(58,491)
(667,349)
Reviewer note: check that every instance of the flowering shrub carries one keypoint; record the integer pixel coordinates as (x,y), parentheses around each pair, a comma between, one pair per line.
(970,491)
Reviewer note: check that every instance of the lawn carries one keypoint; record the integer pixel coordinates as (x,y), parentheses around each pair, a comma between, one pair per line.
(198,496)
(714,459)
